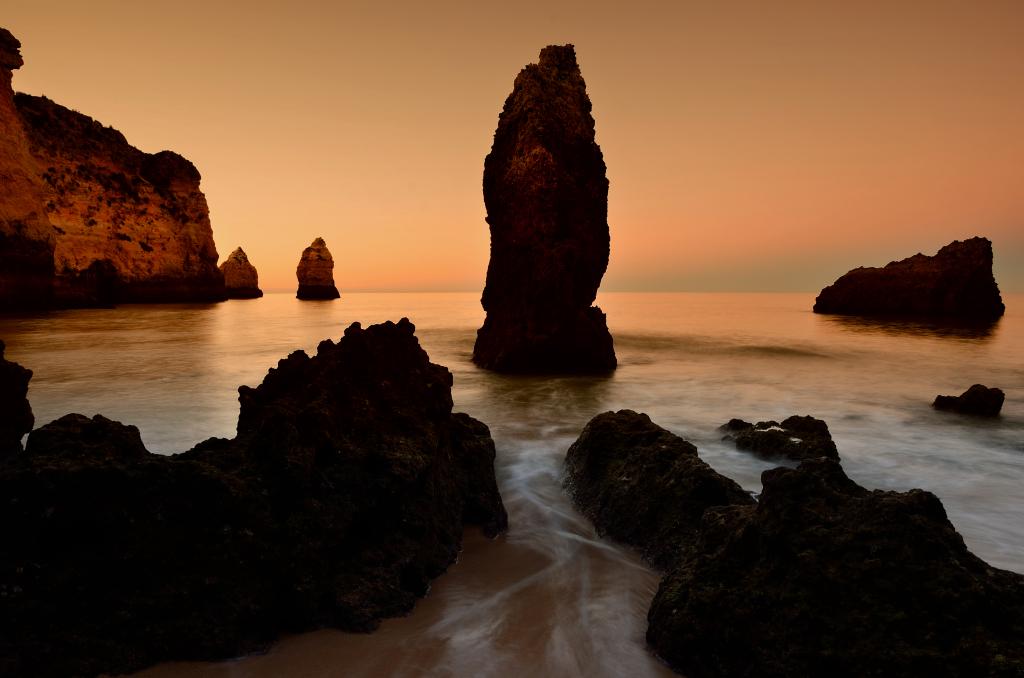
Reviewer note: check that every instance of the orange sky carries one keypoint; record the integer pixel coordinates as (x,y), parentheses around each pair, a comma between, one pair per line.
(750,145)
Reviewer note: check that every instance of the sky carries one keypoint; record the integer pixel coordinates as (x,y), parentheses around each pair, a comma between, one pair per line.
(750,145)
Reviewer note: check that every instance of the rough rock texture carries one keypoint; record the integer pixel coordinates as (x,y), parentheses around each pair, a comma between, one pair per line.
(547,205)
(344,493)
(316,273)
(15,412)
(26,236)
(825,578)
(644,485)
(978,400)
(955,283)
(128,226)
(796,438)
(240,278)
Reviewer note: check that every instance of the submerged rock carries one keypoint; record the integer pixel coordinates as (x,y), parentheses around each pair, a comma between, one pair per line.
(643,485)
(978,400)
(15,412)
(240,278)
(796,438)
(547,206)
(825,578)
(955,283)
(316,273)
(344,493)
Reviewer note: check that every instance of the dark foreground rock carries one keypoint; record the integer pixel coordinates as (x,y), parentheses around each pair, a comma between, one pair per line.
(796,438)
(344,493)
(825,578)
(547,206)
(316,273)
(15,412)
(241,281)
(644,485)
(978,400)
(956,283)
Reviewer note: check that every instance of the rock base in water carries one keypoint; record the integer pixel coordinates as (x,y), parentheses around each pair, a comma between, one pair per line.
(344,493)
(977,400)
(796,438)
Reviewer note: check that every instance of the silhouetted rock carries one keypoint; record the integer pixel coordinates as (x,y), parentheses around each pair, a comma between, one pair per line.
(240,278)
(825,578)
(344,493)
(978,400)
(316,273)
(643,485)
(15,412)
(956,283)
(547,205)
(796,438)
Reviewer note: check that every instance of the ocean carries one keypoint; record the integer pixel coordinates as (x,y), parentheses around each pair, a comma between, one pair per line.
(551,597)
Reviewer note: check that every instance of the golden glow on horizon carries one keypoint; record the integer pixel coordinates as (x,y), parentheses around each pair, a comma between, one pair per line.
(748,146)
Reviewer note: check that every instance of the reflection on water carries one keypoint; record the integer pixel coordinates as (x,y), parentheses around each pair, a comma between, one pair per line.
(550,598)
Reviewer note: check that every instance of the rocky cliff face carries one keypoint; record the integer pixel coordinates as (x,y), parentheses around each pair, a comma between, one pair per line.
(316,273)
(26,236)
(955,283)
(240,278)
(343,495)
(547,206)
(129,226)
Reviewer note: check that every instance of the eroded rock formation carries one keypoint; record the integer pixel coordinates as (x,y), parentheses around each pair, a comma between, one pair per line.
(796,438)
(240,278)
(955,283)
(547,206)
(344,493)
(643,485)
(316,273)
(978,400)
(26,236)
(15,412)
(825,578)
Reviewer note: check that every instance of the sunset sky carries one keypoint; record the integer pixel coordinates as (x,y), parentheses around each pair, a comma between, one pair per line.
(750,145)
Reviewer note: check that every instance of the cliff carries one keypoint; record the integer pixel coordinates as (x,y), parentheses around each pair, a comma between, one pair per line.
(315,273)
(547,206)
(955,283)
(240,278)
(26,236)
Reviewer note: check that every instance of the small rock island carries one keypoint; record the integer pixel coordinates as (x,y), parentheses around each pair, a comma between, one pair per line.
(316,273)
(546,195)
(956,283)
(979,400)
(240,278)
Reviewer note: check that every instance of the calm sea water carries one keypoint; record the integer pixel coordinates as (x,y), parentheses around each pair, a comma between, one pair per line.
(550,598)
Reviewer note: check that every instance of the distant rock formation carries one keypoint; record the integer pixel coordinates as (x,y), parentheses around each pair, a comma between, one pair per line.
(316,273)
(955,283)
(15,412)
(643,485)
(825,578)
(26,236)
(240,278)
(93,220)
(978,400)
(797,438)
(343,495)
(547,205)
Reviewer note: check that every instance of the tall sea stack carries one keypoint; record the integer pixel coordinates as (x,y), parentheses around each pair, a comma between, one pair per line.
(956,283)
(240,278)
(316,273)
(547,206)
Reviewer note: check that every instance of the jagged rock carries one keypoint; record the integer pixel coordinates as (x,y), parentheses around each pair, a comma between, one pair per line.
(344,493)
(825,578)
(978,400)
(955,283)
(796,438)
(547,205)
(26,236)
(316,273)
(240,278)
(643,485)
(15,412)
